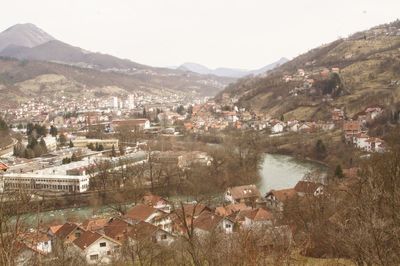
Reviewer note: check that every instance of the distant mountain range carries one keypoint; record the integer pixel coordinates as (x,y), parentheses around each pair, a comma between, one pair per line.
(29,55)
(229,72)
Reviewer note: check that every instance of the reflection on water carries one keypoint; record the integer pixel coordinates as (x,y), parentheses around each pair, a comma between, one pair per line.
(281,171)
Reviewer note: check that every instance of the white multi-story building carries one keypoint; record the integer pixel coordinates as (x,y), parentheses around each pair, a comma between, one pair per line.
(32,181)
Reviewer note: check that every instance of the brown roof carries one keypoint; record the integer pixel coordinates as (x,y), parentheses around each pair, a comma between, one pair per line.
(54,228)
(207,221)
(352,126)
(194,209)
(151,200)
(307,187)
(243,192)
(94,224)
(231,208)
(116,228)
(142,230)
(3,166)
(258,214)
(65,230)
(86,239)
(140,212)
(283,194)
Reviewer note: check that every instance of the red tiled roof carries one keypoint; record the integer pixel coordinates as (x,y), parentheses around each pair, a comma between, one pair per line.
(65,230)
(86,239)
(140,212)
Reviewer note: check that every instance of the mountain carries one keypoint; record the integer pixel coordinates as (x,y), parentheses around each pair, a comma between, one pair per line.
(23,80)
(24,35)
(354,73)
(28,54)
(229,72)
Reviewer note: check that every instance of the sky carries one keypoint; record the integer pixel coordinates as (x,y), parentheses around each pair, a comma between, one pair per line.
(245,34)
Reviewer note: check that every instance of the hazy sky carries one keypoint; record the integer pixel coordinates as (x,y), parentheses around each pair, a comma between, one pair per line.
(230,33)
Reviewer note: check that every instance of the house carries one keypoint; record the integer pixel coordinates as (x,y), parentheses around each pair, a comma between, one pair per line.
(68,232)
(208,222)
(276,198)
(231,209)
(94,224)
(254,218)
(337,114)
(116,229)
(143,231)
(373,112)
(156,202)
(351,128)
(277,127)
(141,212)
(37,241)
(247,194)
(361,141)
(132,124)
(97,248)
(375,145)
(309,188)
(26,255)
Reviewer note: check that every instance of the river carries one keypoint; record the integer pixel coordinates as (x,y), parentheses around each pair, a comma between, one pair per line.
(282,171)
(277,172)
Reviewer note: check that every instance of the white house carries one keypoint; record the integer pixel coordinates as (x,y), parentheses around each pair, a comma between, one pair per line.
(208,222)
(277,127)
(97,248)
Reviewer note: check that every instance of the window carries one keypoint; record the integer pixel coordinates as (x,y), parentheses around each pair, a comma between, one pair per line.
(163,236)
(77,234)
(108,252)
(103,244)
(94,257)
(228,225)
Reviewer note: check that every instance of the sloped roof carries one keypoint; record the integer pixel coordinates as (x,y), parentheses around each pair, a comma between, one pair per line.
(116,227)
(258,214)
(3,166)
(307,187)
(231,208)
(142,230)
(94,224)
(140,212)
(243,192)
(283,194)
(86,239)
(207,221)
(65,230)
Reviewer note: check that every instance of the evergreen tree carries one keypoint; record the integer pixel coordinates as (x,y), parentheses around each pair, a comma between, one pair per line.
(113,152)
(339,171)
(53,131)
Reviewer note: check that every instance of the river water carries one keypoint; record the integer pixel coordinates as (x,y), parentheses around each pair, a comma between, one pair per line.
(282,171)
(276,171)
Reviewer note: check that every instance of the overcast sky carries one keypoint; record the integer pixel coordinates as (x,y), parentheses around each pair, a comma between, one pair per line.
(230,33)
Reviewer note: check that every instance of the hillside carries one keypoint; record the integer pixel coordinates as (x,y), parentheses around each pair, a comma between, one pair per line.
(22,80)
(354,73)
(27,52)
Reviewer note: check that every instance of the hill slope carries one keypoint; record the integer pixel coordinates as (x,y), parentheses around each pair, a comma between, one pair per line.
(49,79)
(354,73)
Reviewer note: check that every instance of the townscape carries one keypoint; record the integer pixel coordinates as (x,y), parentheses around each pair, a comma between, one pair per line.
(104,161)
